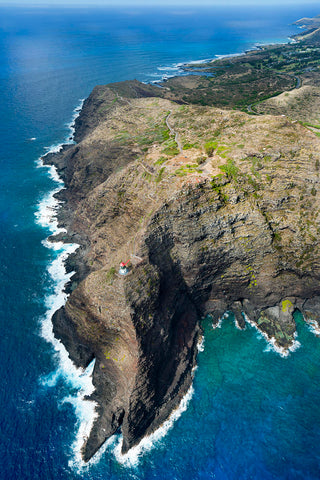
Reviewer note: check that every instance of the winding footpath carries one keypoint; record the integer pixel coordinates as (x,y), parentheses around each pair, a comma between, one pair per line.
(173,132)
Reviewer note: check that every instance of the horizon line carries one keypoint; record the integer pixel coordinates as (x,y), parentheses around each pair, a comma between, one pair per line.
(142,3)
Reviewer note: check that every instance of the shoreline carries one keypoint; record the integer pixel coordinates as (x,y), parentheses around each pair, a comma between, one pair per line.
(80,379)
(182,66)
(55,209)
(85,411)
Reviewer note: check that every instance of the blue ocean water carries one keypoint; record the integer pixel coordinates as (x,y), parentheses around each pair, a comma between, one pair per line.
(252,413)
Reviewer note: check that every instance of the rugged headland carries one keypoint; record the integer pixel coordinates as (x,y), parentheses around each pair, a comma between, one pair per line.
(217,210)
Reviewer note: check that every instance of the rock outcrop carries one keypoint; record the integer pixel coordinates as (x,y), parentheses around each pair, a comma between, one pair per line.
(229,224)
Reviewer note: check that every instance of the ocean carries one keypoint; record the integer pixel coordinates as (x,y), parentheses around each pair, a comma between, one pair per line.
(251,413)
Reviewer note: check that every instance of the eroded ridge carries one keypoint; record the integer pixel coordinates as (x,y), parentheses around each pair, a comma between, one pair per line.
(209,210)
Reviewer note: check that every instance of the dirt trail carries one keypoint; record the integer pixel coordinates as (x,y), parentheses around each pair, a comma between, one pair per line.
(173,132)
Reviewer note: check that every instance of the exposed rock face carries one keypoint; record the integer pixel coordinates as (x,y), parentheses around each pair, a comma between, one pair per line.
(229,224)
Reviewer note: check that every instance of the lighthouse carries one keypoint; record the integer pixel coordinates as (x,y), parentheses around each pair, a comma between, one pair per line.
(123,270)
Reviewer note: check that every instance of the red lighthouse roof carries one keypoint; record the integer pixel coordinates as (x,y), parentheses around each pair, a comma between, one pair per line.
(122,264)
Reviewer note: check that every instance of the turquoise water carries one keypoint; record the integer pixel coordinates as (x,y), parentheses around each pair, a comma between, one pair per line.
(242,383)
(252,414)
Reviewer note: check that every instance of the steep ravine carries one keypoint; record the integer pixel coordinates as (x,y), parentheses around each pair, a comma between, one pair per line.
(231,223)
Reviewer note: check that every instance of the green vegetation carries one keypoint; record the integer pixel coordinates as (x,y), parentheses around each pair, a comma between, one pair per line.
(201,160)
(253,280)
(160,161)
(256,186)
(308,124)
(186,169)
(158,133)
(187,146)
(286,304)
(238,82)
(110,275)
(160,174)
(276,237)
(171,148)
(210,147)
(230,169)
(217,184)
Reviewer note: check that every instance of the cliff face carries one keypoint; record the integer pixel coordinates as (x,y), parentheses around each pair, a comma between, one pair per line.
(228,223)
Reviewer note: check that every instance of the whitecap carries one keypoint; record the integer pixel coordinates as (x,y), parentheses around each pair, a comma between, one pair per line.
(193,62)
(313,326)
(174,67)
(272,345)
(71,124)
(46,216)
(69,140)
(166,76)
(237,325)
(200,344)
(133,456)
(227,55)
(78,378)
(114,443)
(219,322)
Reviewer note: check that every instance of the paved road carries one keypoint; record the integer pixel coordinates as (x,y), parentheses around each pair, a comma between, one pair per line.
(298,85)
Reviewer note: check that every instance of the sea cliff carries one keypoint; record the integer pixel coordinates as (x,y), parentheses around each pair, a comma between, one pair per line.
(217,210)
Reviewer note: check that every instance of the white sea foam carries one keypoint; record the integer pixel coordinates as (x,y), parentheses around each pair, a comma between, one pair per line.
(147,443)
(200,345)
(196,62)
(272,346)
(114,443)
(77,377)
(79,466)
(313,326)
(71,124)
(57,147)
(237,323)
(219,323)
(166,76)
(80,379)
(192,62)
(174,67)
(283,352)
(227,55)
(179,67)
(46,216)
(85,412)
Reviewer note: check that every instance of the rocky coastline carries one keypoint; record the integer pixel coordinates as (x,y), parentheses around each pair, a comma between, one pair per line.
(228,223)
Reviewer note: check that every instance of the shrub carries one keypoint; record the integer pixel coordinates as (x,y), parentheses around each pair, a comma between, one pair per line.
(210,148)
(230,169)
(201,160)
(160,174)
(110,275)
(187,146)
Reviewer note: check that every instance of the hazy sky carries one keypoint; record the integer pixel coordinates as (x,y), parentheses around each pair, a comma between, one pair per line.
(154,2)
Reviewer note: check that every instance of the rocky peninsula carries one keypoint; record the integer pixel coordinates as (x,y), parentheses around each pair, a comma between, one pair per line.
(216,206)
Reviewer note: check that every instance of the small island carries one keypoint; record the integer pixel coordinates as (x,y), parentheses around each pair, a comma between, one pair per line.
(206,188)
